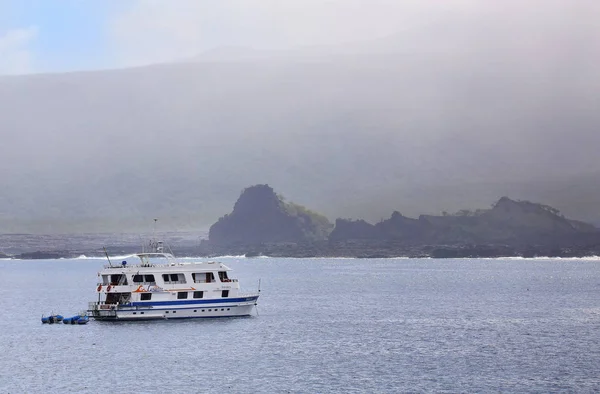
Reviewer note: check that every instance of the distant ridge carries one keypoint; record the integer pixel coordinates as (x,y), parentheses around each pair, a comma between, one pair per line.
(508,221)
(261,221)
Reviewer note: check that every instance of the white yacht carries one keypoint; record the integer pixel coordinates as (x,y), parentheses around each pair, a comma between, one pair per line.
(147,290)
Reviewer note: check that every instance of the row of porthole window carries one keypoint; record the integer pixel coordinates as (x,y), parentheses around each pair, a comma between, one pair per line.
(195,310)
(182,295)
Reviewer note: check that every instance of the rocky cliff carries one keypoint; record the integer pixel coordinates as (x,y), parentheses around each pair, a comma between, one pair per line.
(264,223)
(396,227)
(260,216)
(507,222)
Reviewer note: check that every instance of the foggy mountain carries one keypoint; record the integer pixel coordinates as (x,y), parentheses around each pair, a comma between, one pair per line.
(444,116)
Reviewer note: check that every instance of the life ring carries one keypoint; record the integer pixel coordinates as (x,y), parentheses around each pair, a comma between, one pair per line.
(108,288)
(99,288)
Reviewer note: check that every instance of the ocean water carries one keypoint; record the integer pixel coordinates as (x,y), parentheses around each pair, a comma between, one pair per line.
(324,326)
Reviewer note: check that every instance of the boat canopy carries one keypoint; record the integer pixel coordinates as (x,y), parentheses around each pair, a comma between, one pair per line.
(144,258)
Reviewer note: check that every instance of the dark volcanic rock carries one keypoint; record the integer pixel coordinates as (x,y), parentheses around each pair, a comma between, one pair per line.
(508,222)
(263,224)
(46,255)
(353,229)
(400,227)
(397,227)
(473,251)
(260,215)
(527,218)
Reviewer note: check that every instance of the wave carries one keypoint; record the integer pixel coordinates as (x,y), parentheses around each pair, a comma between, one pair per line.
(118,259)
(241,256)
(587,258)
(112,258)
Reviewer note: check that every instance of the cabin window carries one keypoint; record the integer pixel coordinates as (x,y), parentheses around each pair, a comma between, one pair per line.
(105,280)
(203,277)
(198,294)
(223,276)
(225,293)
(182,295)
(146,296)
(118,280)
(173,278)
(147,279)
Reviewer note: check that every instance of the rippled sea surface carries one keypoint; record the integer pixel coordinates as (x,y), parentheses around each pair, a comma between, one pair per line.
(324,326)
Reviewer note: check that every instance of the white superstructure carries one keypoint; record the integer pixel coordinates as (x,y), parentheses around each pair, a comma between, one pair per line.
(148,290)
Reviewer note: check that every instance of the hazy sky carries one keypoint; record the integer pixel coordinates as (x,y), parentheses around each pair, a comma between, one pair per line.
(438,91)
(66,35)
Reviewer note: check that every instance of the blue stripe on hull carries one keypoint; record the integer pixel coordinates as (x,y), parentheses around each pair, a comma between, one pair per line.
(179,309)
(195,302)
(113,319)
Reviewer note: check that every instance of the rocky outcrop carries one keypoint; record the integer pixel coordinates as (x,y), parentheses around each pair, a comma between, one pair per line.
(353,229)
(527,217)
(397,227)
(260,215)
(507,222)
(262,223)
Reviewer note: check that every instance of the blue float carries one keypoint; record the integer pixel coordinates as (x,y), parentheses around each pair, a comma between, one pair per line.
(78,319)
(51,319)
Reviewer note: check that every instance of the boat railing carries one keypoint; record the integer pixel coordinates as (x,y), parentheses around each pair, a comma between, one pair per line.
(128,266)
(144,283)
(98,305)
(247,294)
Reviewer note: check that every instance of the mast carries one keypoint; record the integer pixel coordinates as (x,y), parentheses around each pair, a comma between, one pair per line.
(108,258)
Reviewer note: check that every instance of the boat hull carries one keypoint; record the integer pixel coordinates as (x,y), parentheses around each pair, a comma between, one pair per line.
(168,312)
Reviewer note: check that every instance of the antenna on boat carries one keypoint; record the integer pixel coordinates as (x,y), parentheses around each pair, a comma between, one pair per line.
(255,303)
(108,258)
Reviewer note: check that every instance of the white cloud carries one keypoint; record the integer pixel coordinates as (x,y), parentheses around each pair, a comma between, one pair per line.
(152,31)
(15,55)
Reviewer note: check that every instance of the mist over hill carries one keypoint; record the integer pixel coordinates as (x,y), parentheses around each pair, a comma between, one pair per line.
(436,118)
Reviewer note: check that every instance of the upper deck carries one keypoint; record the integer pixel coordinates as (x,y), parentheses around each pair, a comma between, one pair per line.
(161,262)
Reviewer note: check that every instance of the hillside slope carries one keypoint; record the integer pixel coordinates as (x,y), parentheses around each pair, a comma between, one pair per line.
(437,118)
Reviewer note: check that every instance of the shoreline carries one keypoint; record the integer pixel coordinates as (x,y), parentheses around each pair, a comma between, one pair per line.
(313,250)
